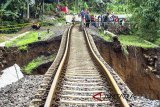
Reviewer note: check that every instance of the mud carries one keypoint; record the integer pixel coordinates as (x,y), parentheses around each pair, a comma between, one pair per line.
(140,68)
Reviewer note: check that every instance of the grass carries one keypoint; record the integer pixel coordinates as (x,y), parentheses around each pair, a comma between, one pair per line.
(36,62)
(131,40)
(105,36)
(30,37)
(24,47)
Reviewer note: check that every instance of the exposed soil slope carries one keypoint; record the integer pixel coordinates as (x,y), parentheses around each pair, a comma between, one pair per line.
(137,69)
(12,55)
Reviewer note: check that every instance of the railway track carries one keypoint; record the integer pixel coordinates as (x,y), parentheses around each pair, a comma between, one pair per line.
(80,79)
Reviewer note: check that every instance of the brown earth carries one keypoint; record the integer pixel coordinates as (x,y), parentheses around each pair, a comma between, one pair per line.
(12,55)
(137,69)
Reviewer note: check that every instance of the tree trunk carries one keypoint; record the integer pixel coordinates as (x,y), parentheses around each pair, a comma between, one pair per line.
(43,6)
(28,10)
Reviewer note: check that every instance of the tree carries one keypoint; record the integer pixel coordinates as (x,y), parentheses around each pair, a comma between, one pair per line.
(146,18)
(12,9)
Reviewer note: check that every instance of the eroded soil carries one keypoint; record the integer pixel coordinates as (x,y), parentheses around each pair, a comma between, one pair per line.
(140,69)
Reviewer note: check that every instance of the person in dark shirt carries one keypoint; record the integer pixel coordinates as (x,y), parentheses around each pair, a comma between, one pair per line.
(93,21)
(88,19)
(106,21)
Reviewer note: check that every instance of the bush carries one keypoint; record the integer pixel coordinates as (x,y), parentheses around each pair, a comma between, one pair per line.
(145,16)
(49,7)
(37,62)
(12,26)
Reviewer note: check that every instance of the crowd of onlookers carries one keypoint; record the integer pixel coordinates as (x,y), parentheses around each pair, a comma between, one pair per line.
(106,21)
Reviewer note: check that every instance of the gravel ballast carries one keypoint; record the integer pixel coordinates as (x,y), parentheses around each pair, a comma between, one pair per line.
(20,94)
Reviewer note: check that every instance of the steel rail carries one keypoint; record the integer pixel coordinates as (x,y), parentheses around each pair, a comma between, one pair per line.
(52,91)
(110,77)
(56,78)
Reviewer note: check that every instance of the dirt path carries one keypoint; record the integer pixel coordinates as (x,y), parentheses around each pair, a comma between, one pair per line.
(11,39)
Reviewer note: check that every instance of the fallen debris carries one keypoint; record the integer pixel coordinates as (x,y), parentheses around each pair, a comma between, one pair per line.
(10,75)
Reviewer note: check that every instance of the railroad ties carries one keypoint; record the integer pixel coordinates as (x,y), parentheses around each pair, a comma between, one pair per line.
(79,79)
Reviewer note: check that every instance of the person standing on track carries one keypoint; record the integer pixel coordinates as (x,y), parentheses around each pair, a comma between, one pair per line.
(106,21)
(88,19)
(82,14)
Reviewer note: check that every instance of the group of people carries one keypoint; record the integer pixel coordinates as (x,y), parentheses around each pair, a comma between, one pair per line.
(114,23)
(86,18)
(102,20)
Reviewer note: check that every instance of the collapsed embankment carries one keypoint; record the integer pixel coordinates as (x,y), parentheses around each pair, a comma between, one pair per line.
(10,56)
(139,68)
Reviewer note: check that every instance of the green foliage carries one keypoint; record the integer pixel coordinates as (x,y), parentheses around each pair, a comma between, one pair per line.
(11,13)
(49,7)
(85,5)
(157,41)
(124,50)
(37,62)
(61,15)
(105,36)
(117,8)
(10,9)
(131,40)
(8,27)
(146,18)
(23,48)
(36,9)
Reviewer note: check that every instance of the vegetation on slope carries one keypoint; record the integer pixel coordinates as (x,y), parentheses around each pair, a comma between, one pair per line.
(37,62)
(130,40)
